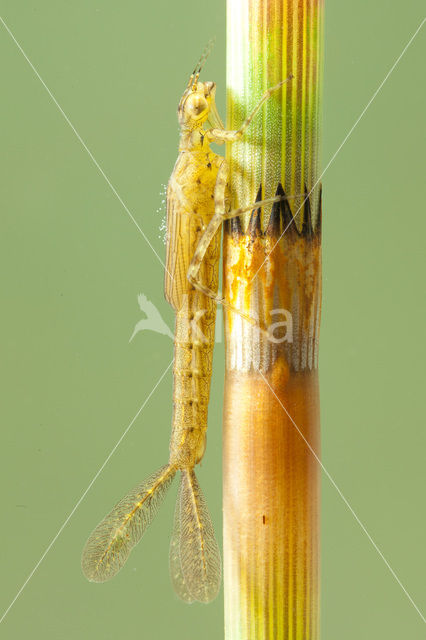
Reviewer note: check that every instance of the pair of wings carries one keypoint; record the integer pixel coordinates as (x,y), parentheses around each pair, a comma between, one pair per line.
(181,242)
(195,567)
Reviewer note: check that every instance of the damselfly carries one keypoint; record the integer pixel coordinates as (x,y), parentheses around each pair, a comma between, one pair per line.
(197,205)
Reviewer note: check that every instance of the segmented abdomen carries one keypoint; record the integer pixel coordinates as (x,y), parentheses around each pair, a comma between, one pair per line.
(190,207)
(194,342)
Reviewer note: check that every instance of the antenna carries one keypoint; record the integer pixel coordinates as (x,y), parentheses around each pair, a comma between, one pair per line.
(200,64)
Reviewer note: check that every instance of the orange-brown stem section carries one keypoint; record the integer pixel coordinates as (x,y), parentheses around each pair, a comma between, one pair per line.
(271,504)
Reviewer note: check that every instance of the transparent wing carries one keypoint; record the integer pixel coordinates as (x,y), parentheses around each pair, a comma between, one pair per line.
(177,251)
(199,551)
(175,566)
(110,544)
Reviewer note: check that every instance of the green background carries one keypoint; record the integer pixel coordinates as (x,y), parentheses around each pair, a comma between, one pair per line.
(72,264)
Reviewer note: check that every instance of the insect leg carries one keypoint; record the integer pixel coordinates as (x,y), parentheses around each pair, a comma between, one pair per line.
(218,218)
(208,235)
(222,135)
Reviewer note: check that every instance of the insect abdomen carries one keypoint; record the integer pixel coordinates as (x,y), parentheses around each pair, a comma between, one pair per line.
(194,342)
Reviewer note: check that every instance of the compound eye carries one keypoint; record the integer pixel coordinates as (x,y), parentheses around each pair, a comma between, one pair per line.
(196,105)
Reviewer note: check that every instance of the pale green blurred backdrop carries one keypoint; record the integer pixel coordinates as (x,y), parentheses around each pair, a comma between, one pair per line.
(73,263)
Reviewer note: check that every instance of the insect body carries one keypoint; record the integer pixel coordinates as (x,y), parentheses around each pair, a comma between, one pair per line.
(197,204)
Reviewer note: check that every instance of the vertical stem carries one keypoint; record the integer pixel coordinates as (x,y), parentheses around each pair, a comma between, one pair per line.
(272,270)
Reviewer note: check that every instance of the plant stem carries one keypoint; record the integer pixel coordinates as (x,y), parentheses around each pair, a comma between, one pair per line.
(272,271)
